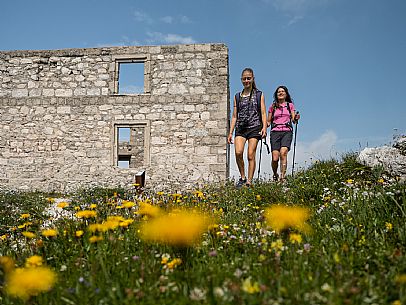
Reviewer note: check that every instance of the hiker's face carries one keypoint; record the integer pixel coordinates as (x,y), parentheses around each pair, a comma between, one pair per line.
(247,79)
(281,94)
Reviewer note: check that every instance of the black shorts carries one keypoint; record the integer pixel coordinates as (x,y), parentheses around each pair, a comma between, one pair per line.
(248,133)
(281,139)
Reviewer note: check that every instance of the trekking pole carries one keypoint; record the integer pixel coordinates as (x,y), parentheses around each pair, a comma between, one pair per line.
(260,157)
(260,154)
(294,146)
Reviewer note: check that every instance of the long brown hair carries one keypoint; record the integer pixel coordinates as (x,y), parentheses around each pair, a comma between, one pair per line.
(287,99)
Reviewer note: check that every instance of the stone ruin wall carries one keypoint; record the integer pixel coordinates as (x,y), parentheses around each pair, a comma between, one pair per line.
(60,110)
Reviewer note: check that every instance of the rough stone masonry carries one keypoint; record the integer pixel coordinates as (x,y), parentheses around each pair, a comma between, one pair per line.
(61,112)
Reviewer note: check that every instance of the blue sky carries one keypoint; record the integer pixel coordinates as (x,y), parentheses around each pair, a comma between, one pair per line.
(343,61)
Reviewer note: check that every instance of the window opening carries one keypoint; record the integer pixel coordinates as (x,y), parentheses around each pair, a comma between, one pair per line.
(124,148)
(131,77)
(131,145)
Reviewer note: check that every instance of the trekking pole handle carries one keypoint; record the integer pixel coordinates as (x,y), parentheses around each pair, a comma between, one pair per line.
(297,113)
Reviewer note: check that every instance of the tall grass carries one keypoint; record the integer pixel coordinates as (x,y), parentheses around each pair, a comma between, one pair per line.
(353,254)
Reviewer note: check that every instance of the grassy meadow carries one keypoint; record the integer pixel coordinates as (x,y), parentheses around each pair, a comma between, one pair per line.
(335,234)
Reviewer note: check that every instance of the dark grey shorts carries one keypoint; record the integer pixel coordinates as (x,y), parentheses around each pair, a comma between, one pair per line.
(249,133)
(281,139)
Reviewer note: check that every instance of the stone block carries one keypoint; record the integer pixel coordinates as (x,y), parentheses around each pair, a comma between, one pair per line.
(48,92)
(19,93)
(63,92)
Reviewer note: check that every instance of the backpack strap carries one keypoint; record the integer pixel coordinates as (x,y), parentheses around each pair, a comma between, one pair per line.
(259,94)
(237,100)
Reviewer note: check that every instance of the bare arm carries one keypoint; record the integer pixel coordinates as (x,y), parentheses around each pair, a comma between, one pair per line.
(263,115)
(269,120)
(233,122)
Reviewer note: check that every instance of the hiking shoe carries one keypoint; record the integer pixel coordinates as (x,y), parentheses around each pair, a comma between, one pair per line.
(241,183)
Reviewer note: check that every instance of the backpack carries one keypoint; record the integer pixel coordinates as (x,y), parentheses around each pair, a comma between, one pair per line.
(289,124)
(258,93)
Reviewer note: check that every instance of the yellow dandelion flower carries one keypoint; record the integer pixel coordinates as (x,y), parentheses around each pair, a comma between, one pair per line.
(7,263)
(396,302)
(110,224)
(281,217)
(180,229)
(79,233)
(62,204)
(174,263)
(127,204)
(25,282)
(388,226)
(25,216)
(199,194)
(148,210)
(28,234)
(249,287)
(49,233)
(165,259)
(350,181)
(115,218)
(33,261)
(24,225)
(258,198)
(94,239)
(401,278)
(381,181)
(93,206)
(94,227)
(295,238)
(86,214)
(160,193)
(3,237)
(213,228)
(51,200)
(277,245)
(126,223)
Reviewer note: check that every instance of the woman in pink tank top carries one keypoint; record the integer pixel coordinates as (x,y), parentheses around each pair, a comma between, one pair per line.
(281,115)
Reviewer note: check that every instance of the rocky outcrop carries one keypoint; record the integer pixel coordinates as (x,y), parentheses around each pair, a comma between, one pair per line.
(391,158)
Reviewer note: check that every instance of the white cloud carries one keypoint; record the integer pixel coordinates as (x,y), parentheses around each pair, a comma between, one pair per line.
(141,16)
(296,6)
(296,10)
(131,89)
(185,19)
(157,37)
(167,19)
(125,41)
(178,19)
(322,148)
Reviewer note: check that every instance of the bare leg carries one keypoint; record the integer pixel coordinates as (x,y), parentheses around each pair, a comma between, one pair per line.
(252,149)
(275,161)
(284,161)
(239,143)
